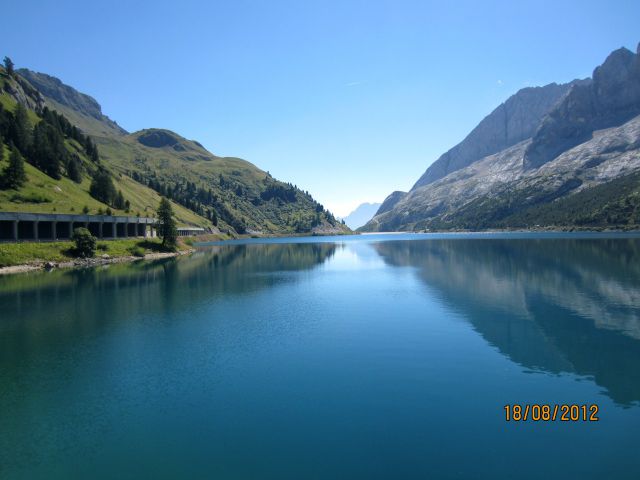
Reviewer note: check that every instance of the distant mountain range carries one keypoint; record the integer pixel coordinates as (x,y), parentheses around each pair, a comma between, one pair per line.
(361,215)
(558,156)
(218,193)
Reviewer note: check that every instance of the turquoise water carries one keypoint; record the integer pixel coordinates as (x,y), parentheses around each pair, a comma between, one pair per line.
(362,357)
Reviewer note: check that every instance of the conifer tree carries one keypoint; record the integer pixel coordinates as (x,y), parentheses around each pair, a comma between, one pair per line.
(48,150)
(119,201)
(21,129)
(167,224)
(8,66)
(14,175)
(102,187)
(73,170)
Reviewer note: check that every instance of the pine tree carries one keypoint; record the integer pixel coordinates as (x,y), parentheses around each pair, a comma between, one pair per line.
(102,187)
(8,66)
(14,175)
(21,129)
(47,149)
(119,201)
(73,170)
(166,224)
(91,149)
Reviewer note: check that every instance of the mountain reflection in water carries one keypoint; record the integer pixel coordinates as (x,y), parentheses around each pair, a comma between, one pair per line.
(556,305)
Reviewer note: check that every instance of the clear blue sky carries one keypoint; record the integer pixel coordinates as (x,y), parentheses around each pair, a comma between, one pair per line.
(347,99)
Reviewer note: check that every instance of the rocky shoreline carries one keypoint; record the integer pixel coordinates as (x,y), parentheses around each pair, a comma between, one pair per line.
(88,262)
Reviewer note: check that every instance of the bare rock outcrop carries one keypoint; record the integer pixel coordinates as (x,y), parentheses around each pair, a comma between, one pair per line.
(611,99)
(512,122)
(539,147)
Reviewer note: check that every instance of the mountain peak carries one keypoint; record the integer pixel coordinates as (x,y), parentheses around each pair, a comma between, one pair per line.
(511,122)
(76,105)
(610,99)
(160,138)
(578,165)
(617,66)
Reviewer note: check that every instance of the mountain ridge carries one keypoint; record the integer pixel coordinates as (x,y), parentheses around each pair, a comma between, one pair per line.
(590,137)
(511,122)
(53,88)
(220,191)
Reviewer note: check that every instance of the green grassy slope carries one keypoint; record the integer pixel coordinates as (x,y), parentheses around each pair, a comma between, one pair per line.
(87,124)
(63,251)
(44,194)
(161,159)
(185,160)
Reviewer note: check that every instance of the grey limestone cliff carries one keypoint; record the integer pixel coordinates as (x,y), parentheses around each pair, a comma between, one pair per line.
(512,122)
(611,99)
(525,162)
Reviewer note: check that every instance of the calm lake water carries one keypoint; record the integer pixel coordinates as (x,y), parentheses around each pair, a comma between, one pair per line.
(382,356)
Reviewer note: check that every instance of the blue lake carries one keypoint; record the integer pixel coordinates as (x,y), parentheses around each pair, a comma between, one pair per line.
(377,356)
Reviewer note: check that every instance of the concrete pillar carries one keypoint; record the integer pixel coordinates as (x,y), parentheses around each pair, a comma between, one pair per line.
(126,229)
(15,229)
(100,229)
(145,231)
(35,230)
(70,229)
(54,232)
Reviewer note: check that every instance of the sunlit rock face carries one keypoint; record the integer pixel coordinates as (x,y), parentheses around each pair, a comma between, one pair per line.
(541,145)
(611,99)
(512,122)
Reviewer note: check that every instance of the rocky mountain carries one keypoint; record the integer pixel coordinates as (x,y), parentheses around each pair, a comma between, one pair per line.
(571,162)
(611,99)
(68,100)
(512,122)
(361,215)
(207,190)
(390,201)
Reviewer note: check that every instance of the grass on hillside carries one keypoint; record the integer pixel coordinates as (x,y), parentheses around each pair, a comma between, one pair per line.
(33,252)
(9,104)
(241,198)
(168,165)
(43,194)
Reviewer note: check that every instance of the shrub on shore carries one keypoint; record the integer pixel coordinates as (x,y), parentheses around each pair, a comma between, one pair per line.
(85,243)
